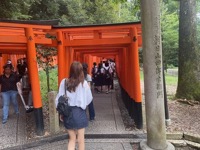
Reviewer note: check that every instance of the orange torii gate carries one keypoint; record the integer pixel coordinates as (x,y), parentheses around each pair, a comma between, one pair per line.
(82,43)
(92,43)
(20,38)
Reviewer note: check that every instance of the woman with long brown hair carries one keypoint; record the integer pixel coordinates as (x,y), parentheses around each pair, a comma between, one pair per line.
(80,96)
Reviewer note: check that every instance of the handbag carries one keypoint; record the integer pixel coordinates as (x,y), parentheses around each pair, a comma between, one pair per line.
(63,107)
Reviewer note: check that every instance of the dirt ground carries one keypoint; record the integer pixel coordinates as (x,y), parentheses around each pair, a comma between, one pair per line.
(184,117)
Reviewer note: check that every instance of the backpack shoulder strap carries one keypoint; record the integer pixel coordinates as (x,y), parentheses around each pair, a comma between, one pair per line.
(66,87)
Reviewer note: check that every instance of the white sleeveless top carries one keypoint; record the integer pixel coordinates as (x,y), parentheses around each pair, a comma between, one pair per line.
(80,98)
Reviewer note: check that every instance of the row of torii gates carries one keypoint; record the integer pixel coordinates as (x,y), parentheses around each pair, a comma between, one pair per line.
(90,44)
(82,43)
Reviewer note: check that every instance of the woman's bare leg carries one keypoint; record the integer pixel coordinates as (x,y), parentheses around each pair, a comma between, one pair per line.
(81,139)
(72,139)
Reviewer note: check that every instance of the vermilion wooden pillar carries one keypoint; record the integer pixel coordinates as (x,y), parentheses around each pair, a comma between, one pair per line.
(136,89)
(1,65)
(124,69)
(67,61)
(128,71)
(136,75)
(61,57)
(34,79)
(71,55)
(90,64)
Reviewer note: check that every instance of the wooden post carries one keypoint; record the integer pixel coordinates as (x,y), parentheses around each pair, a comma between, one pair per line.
(53,114)
(34,79)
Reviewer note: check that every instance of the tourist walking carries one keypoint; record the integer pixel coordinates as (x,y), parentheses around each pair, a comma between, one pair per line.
(100,78)
(107,76)
(80,95)
(94,75)
(8,89)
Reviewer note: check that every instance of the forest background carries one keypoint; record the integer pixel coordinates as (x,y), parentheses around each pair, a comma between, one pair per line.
(89,12)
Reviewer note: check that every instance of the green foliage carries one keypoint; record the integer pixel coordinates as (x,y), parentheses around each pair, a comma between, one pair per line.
(78,12)
(44,10)
(129,11)
(169,24)
(53,76)
(45,55)
(45,59)
(14,9)
(119,1)
(72,12)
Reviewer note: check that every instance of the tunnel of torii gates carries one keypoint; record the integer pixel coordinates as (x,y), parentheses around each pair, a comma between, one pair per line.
(88,44)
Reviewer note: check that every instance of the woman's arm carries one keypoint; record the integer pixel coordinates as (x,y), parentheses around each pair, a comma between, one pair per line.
(61,91)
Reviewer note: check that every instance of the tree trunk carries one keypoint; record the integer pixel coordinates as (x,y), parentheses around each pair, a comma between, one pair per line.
(188,75)
(47,74)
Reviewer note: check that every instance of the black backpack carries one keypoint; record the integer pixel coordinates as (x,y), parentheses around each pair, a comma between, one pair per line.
(63,107)
(107,73)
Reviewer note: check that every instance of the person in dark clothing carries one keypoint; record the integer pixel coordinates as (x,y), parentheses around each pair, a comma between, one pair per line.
(107,77)
(21,68)
(94,75)
(10,63)
(8,89)
(89,80)
(100,79)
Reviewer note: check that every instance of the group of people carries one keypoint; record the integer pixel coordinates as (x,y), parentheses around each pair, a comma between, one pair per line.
(102,75)
(78,90)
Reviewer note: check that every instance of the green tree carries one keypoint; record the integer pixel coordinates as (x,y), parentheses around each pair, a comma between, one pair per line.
(72,12)
(78,12)
(188,75)
(44,9)
(14,9)
(45,59)
(169,24)
(198,23)
(129,11)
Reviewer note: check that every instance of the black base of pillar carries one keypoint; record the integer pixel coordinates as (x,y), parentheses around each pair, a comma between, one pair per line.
(137,115)
(39,121)
(134,108)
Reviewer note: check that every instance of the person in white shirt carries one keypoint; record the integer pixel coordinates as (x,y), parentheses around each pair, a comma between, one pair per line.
(80,96)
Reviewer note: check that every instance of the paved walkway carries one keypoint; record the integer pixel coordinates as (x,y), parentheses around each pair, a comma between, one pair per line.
(107,132)
(13,132)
